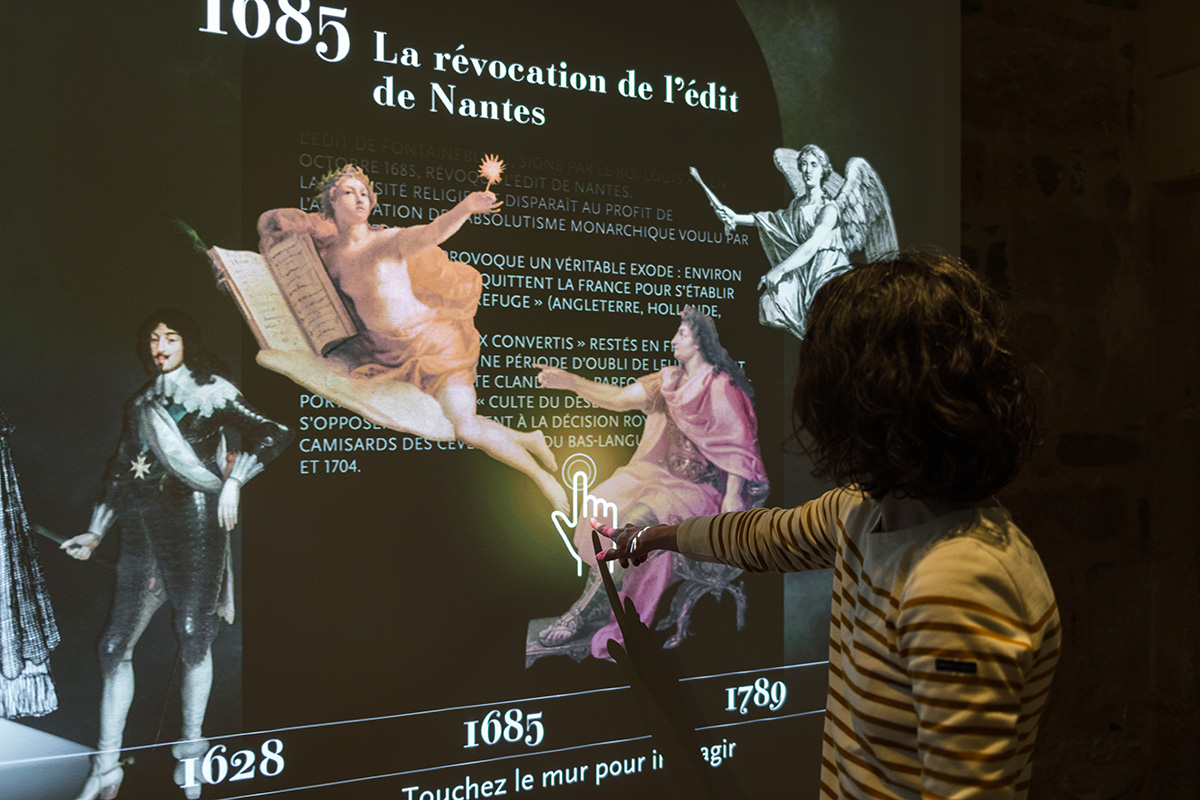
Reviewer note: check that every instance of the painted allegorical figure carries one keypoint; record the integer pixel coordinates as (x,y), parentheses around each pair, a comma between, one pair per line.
(811,240)
(698,455)
(415,309)
(173,488)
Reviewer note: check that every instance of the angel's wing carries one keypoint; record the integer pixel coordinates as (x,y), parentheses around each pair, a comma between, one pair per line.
(785,162)
(864,213)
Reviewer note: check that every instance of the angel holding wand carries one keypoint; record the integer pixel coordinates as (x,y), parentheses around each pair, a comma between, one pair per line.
(810,241)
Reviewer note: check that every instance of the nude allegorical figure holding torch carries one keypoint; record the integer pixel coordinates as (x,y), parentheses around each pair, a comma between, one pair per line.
(415,309)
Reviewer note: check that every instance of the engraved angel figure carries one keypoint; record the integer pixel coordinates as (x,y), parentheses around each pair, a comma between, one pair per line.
(809,242)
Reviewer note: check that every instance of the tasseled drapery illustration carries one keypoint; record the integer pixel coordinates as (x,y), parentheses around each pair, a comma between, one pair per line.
(27,629)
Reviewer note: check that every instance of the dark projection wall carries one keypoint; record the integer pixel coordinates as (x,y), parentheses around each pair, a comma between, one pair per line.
(1056,207)
(400,592)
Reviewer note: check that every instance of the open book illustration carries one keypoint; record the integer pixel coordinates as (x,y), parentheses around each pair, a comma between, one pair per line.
(300,322)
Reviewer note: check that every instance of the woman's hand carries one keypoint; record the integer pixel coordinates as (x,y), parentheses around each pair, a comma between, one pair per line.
(482,203)
(633,543)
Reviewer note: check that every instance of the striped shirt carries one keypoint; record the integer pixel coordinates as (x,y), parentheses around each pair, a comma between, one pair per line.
(943,641)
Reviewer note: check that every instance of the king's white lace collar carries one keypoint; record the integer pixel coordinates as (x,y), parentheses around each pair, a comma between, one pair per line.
(179,387)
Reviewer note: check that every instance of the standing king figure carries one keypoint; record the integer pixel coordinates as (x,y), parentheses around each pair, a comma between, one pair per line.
(173,488)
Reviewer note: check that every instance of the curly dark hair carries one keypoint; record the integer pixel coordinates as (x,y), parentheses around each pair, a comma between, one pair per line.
(704,331)
(202,362)
(908,384)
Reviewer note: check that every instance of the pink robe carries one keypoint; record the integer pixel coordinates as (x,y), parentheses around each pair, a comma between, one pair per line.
(699,430)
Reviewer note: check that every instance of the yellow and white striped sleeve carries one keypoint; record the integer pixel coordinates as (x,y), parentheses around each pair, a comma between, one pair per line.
(772,539)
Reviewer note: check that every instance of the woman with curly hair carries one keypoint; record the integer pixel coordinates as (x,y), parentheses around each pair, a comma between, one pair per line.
(944,630)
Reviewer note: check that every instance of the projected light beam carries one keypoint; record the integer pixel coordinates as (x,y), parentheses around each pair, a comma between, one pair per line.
(579,472)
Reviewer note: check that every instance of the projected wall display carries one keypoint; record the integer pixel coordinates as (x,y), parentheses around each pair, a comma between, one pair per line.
(331,326)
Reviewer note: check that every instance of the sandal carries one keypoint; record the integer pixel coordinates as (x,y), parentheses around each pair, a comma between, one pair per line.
(584,612)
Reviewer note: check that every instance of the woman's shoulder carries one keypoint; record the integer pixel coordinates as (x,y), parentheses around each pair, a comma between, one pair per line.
(986,548)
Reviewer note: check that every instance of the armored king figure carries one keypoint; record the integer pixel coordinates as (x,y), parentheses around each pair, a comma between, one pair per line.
(172,488)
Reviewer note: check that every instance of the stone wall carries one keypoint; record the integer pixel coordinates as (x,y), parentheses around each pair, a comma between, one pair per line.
(1100,265)
(1060,129)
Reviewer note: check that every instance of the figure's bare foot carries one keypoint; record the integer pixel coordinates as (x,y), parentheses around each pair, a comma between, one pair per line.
(535,443)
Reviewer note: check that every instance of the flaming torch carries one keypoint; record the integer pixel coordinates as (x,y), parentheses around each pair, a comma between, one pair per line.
(490,169)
